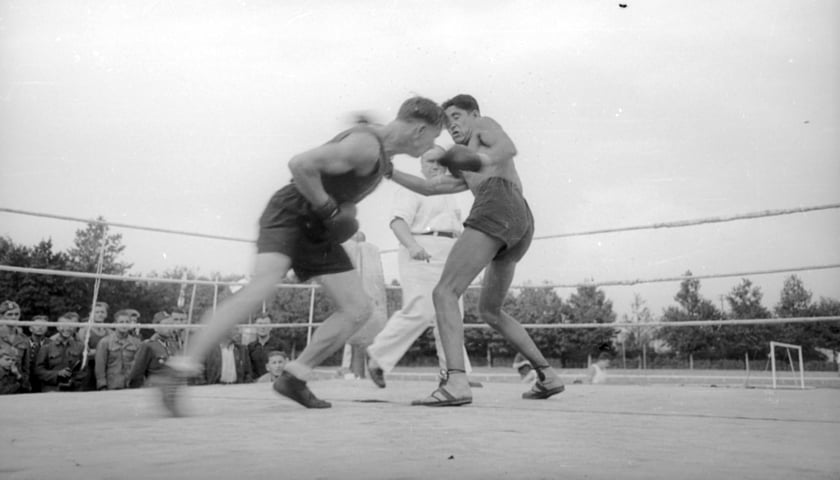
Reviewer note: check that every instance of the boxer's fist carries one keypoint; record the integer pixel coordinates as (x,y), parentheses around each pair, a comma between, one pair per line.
(460,158)
(343,225)
(332,222)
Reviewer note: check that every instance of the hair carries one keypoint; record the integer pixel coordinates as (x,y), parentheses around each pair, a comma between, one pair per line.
(462,101)
(277,353)
(8,305)
(69,316)
(421,109)
(101,304)
(604,356)
(126,312)
(160,316)
(264,315)
(38,318)
(178,310)
(8,351)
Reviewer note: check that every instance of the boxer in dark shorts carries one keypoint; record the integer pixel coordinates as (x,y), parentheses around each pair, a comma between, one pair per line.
(283,230)
(500,211)
(302,228)
(497,233)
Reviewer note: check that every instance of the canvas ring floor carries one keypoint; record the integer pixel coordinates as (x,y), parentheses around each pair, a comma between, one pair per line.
(614,431)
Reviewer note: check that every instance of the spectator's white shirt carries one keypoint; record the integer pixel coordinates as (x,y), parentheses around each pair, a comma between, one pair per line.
(228,365)
(424,214)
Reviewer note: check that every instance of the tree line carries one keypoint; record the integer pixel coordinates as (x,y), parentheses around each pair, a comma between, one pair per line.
(52,295)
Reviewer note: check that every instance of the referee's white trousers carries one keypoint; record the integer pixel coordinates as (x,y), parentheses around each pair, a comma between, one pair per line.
(418,279)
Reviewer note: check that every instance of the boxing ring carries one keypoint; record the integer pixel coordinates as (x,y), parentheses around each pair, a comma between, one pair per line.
(648,426)
(589,431)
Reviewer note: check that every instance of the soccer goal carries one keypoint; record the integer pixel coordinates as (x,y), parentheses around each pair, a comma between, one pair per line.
(787,347)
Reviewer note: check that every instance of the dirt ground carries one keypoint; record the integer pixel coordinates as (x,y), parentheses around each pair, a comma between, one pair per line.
(590,431)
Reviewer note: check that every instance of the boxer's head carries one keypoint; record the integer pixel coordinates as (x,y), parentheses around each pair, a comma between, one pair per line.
(422,120)
(461,112)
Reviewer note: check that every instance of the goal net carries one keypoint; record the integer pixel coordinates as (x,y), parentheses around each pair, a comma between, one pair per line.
(784,350)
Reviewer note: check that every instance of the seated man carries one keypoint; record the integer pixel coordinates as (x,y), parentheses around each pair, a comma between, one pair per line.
(10,378)
(276,361)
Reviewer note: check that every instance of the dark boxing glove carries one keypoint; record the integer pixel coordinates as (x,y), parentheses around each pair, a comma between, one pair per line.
(460,158)
(338,221)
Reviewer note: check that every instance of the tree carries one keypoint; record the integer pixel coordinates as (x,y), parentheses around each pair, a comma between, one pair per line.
(37,294)
(827,333)
(745,303)
(634,339)
(587,305)
(794,300)
(692,306)
(84,257)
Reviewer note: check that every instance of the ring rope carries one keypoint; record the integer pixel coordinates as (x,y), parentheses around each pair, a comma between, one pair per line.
(687,323)
(608,283)
(698,221)
(673,224)
(126,225)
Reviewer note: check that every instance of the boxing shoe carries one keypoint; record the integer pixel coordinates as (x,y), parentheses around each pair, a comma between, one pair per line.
(295,389)
(377,375)
(171,380)
(544,387)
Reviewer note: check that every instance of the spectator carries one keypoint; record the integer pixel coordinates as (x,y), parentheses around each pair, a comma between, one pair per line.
(427,228)
(597,372)
(11,337)
(59,361)
(265,342)
(115,354)
(37,339)
(228,363)
(141,333)
(152,354)
(367,261)
(179,317)
(10,377)
(276,361)
(100,316)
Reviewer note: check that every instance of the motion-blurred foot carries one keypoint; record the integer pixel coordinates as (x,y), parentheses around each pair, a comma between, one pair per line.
(295,389)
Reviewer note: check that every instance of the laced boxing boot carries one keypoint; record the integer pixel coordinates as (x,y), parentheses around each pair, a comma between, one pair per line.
(545,386)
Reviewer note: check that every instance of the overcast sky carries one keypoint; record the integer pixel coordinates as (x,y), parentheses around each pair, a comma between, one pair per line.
(184,114)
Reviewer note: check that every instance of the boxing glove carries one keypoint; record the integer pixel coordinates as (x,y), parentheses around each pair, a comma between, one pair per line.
(337,222)
(460,158)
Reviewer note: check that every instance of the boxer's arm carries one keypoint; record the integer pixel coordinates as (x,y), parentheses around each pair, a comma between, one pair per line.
(358,152)
(439,185)
(498,146)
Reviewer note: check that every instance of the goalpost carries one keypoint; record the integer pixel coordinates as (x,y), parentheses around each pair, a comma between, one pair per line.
(788,347)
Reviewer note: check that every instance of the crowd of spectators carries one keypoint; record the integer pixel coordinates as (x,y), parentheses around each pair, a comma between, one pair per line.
(42,358)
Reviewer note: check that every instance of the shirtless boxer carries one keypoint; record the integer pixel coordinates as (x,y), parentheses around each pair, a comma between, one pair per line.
(497,234)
